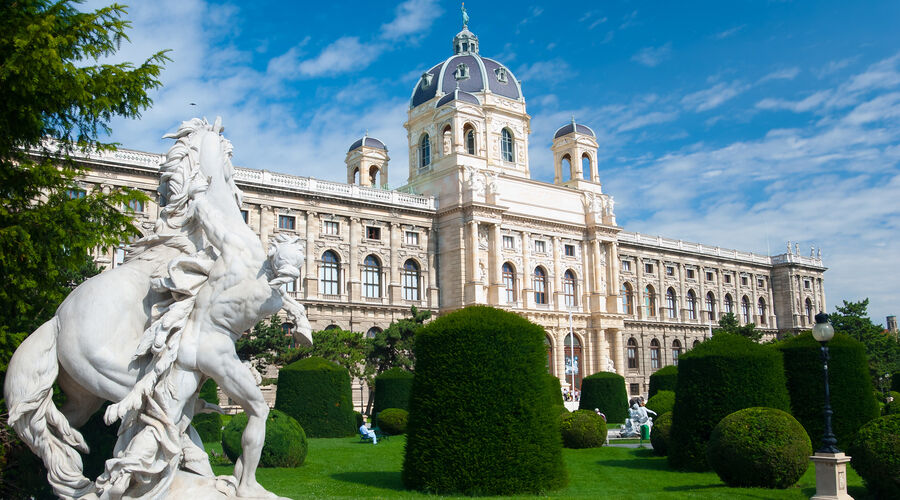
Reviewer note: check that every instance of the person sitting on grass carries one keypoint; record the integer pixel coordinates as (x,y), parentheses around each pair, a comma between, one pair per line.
(368,433)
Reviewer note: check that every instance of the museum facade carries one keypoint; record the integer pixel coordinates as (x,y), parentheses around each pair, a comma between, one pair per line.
(472,227)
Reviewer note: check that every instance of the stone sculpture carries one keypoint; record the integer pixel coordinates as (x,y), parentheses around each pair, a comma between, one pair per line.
(148,333)
(638,415)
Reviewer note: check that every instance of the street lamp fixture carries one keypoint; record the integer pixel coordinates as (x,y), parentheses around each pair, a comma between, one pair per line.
(823,332)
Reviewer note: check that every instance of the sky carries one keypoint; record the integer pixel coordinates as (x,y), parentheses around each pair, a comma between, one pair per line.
(742,124)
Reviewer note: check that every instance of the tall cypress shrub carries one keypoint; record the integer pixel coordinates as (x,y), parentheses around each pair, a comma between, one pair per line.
(392,388)
(663,379)
(209,425)
(717,378)
(852,399)
(554,390)
(606,392)
(316,392)
(480,421)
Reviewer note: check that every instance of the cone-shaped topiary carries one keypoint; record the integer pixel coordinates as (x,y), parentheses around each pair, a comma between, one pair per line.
(393,421)
(852,399)
(582,429)
(875,455)
(316,392)
(717,378)
(392,388)
(759,447)
(663,379)
(480,421)
(285,444)
(209,425)
(554,390)
(659,434)
(662,402)
(605,391)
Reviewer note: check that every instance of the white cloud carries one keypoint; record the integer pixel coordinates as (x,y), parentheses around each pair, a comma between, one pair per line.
(413,18)
(343,55)
(728,33)
(710,98)
(652,118)
(653,56)
(553,70)
(782,74)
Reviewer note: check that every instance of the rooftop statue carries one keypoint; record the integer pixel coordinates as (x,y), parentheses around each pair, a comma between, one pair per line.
(147,334)
(465,16)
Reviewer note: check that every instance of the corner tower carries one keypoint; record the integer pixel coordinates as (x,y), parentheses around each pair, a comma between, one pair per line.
(367,162)
(575,157)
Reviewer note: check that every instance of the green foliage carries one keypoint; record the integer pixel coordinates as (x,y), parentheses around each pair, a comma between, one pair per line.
(660,434)
(345,348)
(882,349)
(875,455)
(662,402)
(209,425)
(554,390)
(209,391)
(265,344)
(477,425)
(605,391)
(360,419)
(852,398)
(393,421)
(392,390)
(730,324)
(316,392)
(759,447)
(582,429)
(892,407)
(393,347)
(725,374)
(895,381)
(663,379)
(285,444)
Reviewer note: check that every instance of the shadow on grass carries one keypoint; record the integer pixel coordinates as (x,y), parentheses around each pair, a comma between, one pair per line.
(389,480)
(642,459)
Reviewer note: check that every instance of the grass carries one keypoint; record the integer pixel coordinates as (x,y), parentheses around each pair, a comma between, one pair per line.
(348,468)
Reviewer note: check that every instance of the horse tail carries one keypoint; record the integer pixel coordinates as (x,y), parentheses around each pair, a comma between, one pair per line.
(29,397)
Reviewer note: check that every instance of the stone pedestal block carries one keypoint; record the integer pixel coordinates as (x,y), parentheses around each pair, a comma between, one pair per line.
(831,476)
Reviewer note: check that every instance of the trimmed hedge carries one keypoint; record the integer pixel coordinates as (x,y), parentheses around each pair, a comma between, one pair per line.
(663,379)
(285,444)
(852,398)
(875,456)
(662,402)
(392,388)
(759,447)
(893,408)
(393,421)
(316,392)
(476,423)
(606,392)
(660,434)
(582,429)
(554,390)
(360,419)
(725,374)
(209,425)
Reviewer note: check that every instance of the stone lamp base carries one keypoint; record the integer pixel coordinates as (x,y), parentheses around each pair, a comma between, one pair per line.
(831,476)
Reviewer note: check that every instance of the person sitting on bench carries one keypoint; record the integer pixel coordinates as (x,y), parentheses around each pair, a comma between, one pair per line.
(368,433)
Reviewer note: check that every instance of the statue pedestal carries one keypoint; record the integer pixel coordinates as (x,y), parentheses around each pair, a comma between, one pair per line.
(831,476)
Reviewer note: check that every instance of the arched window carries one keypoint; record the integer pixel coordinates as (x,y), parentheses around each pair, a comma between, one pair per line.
(540,285)
(809,312)
(332,327)
(565,167)
(569,288)
(649,301)
(632,353)
(695,344)
(373,175)
(329,274)
(676,351)
(586,167)
(371,277)
(729,304)
(627,298)
(761,310)
(691,304)
(507,152)
(411,279)
(424,151)
(711,306)
(509,282)
(469,133)
(745,309)
(654,354)
(572,349)
(372,332)
(671,303)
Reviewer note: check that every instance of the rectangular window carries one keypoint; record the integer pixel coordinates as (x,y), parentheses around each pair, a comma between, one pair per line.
(709,276)
(648,268)
(136,206)
(654,358)
(635,389)
(760,282)
(626,265)
(670,271)
(508,242)
(806,284)
(246,216)
(744,280)
(570,250)
(540,247)
(290,286)
(412,238)
(333,228)
(727,278)
(286,222)
(373,233)
(75,194)
(690,274)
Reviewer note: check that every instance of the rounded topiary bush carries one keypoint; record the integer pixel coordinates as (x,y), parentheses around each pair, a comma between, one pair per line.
(582,429)
(759,447)
(209,425)
(316,392)
(606,392)
(393,421)
(479,418)
(663,379)
(392,388)
(852,398)
(875,456)
(659,433)
(285,444)
(662,402)
(725,374)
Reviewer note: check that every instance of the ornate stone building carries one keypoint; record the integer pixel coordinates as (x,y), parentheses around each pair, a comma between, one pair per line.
(480,230)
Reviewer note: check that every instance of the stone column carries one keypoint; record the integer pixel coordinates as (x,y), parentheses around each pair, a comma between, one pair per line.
(394,267)
(310,281)
(639,289)
(616,345)
(612,272)
(353,283)
(473,278)
(265,225)
(495,264)
(558,302)
(527,275)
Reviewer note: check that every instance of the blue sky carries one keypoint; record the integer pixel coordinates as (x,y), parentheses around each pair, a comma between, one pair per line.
(739,124)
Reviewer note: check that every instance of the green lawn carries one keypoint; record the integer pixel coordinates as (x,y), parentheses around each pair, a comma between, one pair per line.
(347,468)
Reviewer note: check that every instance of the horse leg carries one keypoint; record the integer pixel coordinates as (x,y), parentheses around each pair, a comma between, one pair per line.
(80,403)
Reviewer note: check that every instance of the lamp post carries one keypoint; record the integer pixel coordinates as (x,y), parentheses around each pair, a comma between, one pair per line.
(823,332)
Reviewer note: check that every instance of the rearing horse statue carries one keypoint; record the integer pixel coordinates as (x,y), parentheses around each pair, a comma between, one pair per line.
(146,334)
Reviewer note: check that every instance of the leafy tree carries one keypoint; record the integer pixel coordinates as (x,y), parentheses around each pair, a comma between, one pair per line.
(265,344)
(346,348)
(393,347)
(882,349)
(730,324)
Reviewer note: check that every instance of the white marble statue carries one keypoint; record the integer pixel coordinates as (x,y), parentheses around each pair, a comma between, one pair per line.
(146,335)
(638,415)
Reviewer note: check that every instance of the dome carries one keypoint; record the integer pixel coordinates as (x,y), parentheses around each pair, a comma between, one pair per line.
(457,95)
(574,127)
(369,142)
(468,71)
